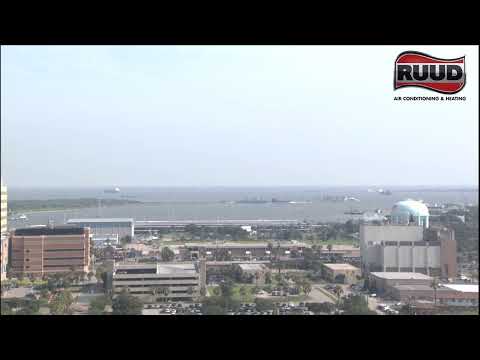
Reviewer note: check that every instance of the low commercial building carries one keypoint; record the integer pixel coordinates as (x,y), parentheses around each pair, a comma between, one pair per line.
(254,273)
(101,241)
(341,273)
(383,282)
(120,227)
(159,281)
(446,294)
(246,251)
(37,251)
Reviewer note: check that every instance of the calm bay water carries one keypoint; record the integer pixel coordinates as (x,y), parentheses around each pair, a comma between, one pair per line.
(206,203)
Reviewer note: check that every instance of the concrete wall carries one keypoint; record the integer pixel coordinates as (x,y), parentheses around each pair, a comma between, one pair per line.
(378,233)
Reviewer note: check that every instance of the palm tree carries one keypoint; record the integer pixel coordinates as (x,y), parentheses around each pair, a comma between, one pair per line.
(320,248)
(306,287)
(434,285)
(338,291)
(257,276)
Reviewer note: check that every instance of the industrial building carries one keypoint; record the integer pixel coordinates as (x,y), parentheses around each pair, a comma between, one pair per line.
(105,227)
(408,244)
(383,282)
(160,281)
(344,273)
(408,248)
(42,250)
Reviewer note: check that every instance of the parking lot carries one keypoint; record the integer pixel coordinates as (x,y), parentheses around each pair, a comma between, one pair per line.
(173,309)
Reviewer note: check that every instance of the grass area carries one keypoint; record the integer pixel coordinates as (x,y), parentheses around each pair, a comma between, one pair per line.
(248,297)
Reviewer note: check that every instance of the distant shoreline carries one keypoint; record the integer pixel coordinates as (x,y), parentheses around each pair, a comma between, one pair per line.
(59,205)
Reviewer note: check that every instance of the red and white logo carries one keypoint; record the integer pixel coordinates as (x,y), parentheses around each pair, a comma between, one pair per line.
(446,76)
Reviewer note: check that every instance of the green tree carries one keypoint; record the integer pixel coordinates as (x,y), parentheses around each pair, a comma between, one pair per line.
(242,291)
(167,254)
(306,287)
(216,291)
(126,304)
(61,303)
(127,239)
(97,305)
(338,291)
(226,288)
(268,278)
(329,247)
(356,305)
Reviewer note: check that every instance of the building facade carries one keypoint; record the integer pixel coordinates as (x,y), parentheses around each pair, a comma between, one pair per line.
(104,227)
(159,282)
(347,273)
(3,257)
(39,251)
(445,294)
(383,282)
(3,231)
(408,248)
(3,208)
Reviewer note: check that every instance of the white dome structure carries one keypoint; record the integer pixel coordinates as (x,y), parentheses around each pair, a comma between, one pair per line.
(410,211)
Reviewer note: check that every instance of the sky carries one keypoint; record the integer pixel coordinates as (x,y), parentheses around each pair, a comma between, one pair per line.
(230,116)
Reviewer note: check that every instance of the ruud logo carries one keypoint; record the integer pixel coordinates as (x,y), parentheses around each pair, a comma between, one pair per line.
(446,76)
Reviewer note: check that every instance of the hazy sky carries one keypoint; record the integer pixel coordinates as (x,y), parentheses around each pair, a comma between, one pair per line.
(229,115)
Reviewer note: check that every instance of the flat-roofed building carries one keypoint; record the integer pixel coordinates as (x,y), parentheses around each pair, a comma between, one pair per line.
(38,251)
(446,294)
(253,272)
(101,241)
(384,281)
(245,251)
(341,273)
(159,281)
(107,226)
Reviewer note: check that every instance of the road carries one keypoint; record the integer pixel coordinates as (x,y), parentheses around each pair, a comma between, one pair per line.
(317,295)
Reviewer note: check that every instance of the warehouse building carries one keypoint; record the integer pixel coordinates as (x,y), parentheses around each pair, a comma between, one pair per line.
(41,250)
(383,282)
(446,294)
(105,227)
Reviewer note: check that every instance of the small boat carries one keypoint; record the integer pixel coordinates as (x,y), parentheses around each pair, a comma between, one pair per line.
(112,191)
